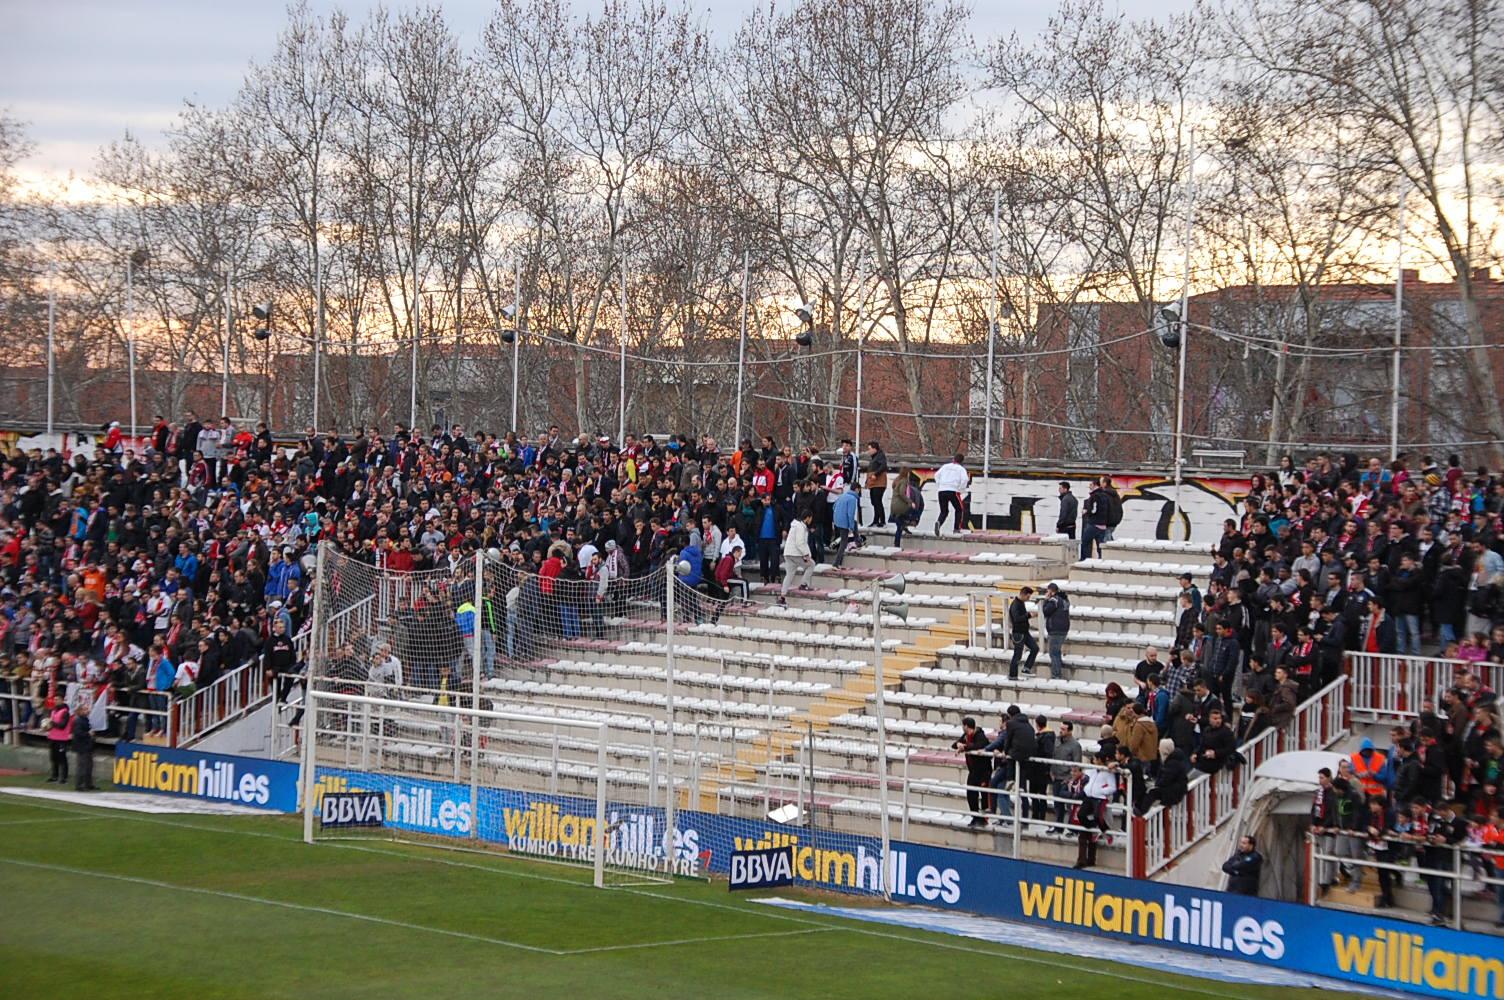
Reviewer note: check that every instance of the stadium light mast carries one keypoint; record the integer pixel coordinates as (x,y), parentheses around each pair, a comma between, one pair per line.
(894,584)
(1185,327)
(51,344)
(137,258)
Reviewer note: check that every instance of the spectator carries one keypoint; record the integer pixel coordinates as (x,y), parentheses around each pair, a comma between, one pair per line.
(1067,753)
(1020,633)
(971,746)
(1136,734)
(83,752)
(59,733)
(877,482)
(952,481)
(797,557)
(1094,521)
(1244,868)
(1217,744)
(1055,609)
(1065,520)
(907,505)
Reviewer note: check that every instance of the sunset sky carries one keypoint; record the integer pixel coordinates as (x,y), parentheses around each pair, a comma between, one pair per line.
(83,72)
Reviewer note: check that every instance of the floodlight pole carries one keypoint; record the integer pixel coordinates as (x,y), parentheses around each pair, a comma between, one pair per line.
(1399,326)
(992,319)
(318,330)
(130,337)
(621,384)
(516,336)
(224,380)
(741,349)
(1185,326)
(51,347)
(412,396)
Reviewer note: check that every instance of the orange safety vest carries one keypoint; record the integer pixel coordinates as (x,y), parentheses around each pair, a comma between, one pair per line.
(1367,771)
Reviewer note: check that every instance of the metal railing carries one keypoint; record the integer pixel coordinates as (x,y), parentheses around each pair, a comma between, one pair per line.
(1165,833)
(1388,687)
(231,696)
(22,717)
(1481,869)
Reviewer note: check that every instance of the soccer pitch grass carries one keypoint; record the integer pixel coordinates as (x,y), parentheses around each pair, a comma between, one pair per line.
(108,903)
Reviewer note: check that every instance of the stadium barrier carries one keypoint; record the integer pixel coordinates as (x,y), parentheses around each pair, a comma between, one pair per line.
(1388,687)
(1165,833)
(1471,864)
(245,781)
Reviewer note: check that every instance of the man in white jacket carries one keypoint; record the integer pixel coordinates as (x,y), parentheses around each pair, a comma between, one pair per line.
(797,556)
(951,479)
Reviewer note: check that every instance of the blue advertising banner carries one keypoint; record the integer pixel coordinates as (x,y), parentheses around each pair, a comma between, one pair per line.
(245,781)
(1384,953)
(765,869)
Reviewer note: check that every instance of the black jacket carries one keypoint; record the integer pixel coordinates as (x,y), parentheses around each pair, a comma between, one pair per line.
(1221,742)
(1069,508)
(1057,614)
(1174,775)
(1243,873)
(1018,616)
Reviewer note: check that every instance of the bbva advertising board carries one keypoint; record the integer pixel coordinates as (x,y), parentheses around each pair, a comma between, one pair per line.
(244,781)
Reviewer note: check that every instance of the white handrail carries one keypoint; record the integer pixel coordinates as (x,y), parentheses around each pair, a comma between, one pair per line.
(1392,687)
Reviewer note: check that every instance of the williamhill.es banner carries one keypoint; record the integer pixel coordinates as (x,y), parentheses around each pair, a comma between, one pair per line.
(246,781)
(1390,954)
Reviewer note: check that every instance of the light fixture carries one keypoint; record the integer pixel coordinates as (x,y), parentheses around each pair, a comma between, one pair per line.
(262,333)
(139,257)
(804,338)
(509,312)
(262,311)
(806,313)
(1169,330)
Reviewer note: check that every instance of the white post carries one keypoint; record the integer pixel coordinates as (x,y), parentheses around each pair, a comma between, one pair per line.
(516,336)
(318,331)
(741,350)
(1399,326)
(880,675)
(306,772)
(130,339)
(600,806)
(1185,325)
(856,445)
(992,321)
(51,350)
(621,378)
(310,682)
(224,381)
(475,665)
(668,690)
(412,398)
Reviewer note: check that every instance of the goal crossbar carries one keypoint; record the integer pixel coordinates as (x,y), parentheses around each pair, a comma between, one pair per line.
(313,697)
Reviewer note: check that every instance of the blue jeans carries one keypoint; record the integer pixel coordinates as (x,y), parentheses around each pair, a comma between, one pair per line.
(488,653)
(1056,644)
(1021,642)
(1408,629)
(1448,634)
(1092,536)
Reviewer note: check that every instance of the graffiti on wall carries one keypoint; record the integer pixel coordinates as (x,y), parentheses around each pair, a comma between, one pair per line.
(1029,502)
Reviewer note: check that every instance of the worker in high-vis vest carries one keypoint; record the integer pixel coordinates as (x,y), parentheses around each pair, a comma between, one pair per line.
(1369,765)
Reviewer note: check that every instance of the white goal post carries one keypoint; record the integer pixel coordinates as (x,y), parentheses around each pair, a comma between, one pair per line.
(405,750)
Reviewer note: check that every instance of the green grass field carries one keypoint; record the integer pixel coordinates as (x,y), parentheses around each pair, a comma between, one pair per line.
(107,903)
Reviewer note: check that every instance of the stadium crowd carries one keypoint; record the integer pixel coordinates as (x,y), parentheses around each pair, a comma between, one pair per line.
(1326,560)
(134,577)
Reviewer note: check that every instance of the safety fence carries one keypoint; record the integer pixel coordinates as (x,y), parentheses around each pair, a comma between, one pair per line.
(1165,833)
(1388,687)
(1468,873)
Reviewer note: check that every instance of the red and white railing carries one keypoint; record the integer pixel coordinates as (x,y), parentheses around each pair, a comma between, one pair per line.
(1391,688)
(1163,834)
(229,697)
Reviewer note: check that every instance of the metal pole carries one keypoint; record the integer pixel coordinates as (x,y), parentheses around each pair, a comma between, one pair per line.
(992,320)
(224,382)
(310,680)
(856,445)
(1399,326)
(621,383)
(1185,325)
(412,398)
(475,664)
(741,350)
(318,332)
(880,675)
(130,338)
(51,351)
(516,336)
(600,806)
(668,691)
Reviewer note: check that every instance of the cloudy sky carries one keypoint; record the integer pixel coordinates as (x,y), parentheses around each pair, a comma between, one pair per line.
(83,72)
